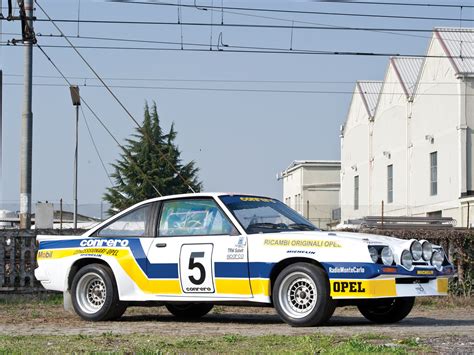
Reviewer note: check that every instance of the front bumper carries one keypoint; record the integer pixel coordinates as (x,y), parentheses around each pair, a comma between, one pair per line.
(388,287)
(369,280)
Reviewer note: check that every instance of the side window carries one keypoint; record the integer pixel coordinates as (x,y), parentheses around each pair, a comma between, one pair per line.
(133,224)
(194,217)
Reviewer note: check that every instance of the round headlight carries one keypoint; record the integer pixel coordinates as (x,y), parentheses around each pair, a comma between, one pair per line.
(374,254)
(437,260)
(387,256)
(416,250)
(407,259)
(427,248)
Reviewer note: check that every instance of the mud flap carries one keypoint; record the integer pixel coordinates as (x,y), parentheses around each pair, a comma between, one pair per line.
(67,302)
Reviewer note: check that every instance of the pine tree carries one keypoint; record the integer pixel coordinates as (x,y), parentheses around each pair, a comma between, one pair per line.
(151,159)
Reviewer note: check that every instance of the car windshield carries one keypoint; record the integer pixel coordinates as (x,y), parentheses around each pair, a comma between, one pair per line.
(265,215)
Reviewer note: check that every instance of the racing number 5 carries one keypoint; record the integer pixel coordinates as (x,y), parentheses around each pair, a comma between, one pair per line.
(193,264)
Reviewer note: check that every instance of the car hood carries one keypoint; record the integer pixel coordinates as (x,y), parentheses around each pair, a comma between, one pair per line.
(349,239)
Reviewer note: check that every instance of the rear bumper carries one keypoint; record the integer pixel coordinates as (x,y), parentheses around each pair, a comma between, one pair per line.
(388,287)
(41,274)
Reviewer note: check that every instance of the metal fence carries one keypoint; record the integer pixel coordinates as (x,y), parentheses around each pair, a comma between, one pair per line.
(17,263)
(18,250)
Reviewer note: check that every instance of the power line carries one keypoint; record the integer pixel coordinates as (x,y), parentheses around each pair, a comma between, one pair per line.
(186,80)
(241,25)
(115,39)
(277,91)
(255,50)
(145,134)
(305,12)
(85,78)
(95,147)
(127,153)
(415,4)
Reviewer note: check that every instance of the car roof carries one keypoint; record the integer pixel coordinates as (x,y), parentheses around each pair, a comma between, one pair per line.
(163,198)
(197,194)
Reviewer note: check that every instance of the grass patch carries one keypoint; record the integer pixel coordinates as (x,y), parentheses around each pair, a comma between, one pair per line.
(141,343)
(447,302)
(42,299)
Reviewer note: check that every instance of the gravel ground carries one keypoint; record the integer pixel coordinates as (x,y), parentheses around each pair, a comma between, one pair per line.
(447,330)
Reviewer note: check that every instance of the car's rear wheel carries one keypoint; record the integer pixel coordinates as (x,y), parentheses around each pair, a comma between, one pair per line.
(385,310)
(94,294)
(301,295)
(189,310)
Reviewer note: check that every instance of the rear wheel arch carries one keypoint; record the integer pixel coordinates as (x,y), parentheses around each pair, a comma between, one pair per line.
(79,264)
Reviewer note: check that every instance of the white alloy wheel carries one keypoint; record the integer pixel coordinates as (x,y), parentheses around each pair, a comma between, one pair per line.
(298,294)
(91,293)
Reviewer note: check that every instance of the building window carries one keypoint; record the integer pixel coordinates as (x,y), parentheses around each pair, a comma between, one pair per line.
(390,183)
(356,192)
(434,173)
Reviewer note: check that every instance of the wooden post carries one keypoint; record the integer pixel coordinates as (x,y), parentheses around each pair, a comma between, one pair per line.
(468,216)
(382,212)
(61,214)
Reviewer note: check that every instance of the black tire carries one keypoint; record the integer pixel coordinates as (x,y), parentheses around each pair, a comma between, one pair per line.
(310,303)
(384,311)
(94,294)
(189,310)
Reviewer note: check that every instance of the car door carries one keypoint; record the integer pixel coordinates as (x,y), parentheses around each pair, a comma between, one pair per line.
(201,250)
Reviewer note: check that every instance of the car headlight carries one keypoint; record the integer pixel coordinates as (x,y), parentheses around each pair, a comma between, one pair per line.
(374,254)
(437,260)
(387,256)
(416,250)
(427,250)
(407,259)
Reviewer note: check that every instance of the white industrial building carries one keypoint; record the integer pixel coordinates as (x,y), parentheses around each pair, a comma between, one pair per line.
(312,187)
(408,140)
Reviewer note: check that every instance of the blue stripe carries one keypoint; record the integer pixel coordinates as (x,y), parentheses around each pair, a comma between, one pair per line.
(162,271)
(231,269)
(261,270)
(60,244)
(139,254)
(240,269)
(152,271)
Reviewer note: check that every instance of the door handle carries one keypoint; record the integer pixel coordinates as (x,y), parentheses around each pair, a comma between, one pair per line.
(160,245)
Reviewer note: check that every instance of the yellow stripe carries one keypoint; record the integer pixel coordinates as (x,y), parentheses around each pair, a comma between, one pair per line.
(233,286)
(157,286)
(363,288)
(261,287)
(442,285)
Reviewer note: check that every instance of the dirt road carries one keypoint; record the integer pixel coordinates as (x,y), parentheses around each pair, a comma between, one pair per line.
(447,330)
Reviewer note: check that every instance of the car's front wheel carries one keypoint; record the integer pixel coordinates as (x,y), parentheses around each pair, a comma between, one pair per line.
(385,310)
(94,294)
(301,295)
(189,310)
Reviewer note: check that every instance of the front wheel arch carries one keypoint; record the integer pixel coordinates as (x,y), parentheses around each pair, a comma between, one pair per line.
(281,265)
(310,303)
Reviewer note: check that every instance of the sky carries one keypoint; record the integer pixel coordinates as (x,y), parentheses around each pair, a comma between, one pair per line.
(239,140)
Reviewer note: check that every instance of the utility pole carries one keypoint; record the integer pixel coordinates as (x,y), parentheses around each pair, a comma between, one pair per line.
(26,148)
(1,133)
(76,101)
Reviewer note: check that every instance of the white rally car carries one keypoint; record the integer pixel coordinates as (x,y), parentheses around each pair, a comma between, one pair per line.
(190,252)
